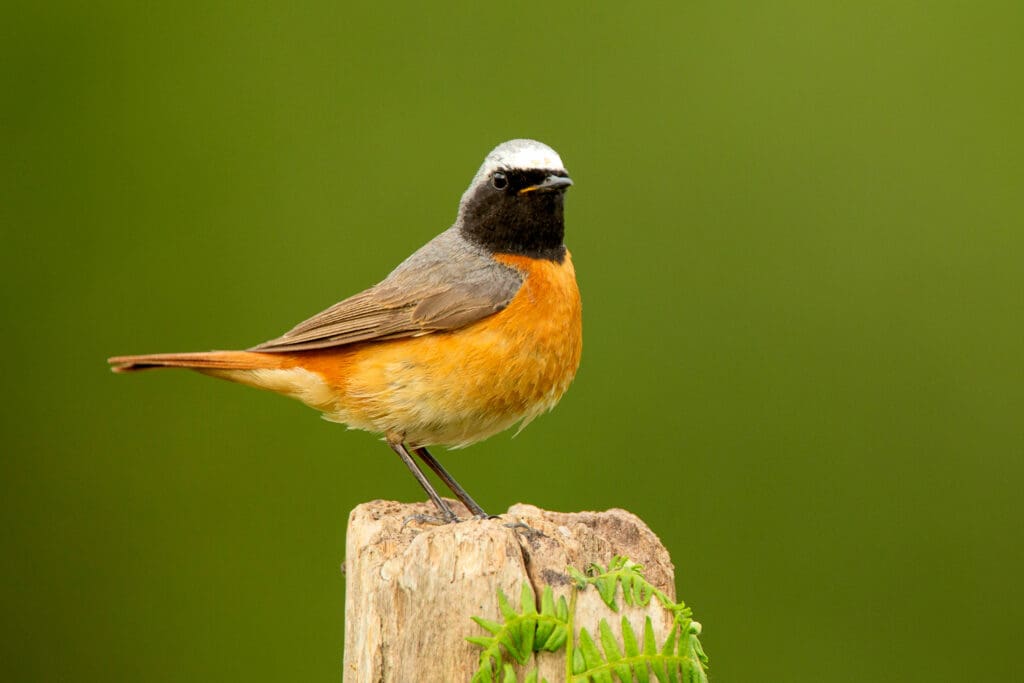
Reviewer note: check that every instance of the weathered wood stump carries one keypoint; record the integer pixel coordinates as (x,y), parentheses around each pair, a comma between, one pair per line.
(412,587)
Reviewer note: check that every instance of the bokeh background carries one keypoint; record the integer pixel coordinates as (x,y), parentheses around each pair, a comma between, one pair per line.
(798,228)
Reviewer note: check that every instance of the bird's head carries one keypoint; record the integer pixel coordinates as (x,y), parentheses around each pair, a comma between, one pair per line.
(514,204)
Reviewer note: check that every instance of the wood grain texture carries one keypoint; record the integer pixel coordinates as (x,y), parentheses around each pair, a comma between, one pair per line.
(412,588)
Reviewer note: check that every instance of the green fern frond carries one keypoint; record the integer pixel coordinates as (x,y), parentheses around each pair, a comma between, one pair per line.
(674,662)
(679,659)
(509,676)
(520,634)
(621,571)
(636,589)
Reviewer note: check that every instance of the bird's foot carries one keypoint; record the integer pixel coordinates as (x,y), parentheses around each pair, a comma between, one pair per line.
(436,520)
(526,530)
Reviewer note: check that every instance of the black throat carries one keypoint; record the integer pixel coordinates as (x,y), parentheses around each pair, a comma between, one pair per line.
(503,221)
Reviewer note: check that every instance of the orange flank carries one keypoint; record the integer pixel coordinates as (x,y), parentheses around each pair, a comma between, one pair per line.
(447,387)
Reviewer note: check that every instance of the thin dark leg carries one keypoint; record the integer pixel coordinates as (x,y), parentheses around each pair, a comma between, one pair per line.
(442,506)
(459,492)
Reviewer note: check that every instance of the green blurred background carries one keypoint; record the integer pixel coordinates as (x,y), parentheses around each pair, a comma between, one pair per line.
(798,233)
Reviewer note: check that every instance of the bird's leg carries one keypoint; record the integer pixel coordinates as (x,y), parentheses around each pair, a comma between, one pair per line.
(446,512)
(450,482)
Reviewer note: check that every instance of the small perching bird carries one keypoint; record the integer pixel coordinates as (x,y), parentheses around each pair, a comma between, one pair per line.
(478,330)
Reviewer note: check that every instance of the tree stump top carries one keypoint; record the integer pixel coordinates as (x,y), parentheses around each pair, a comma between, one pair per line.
(412,586)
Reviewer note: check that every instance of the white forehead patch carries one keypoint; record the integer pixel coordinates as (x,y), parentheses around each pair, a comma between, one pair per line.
(522,154)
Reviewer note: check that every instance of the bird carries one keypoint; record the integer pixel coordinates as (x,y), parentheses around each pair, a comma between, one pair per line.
(477,331)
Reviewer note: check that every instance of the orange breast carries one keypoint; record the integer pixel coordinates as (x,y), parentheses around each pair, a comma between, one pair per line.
(459,387)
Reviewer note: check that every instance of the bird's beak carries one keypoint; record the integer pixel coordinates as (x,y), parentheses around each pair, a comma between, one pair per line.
(550,184)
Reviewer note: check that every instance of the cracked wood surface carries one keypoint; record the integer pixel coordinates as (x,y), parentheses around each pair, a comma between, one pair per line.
(411,588)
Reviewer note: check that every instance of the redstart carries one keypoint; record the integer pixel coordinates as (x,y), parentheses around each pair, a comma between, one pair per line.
(478,330)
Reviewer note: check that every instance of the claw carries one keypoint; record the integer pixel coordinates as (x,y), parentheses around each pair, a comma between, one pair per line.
(436,520)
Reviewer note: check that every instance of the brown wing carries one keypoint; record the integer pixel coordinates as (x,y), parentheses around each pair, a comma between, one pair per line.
(444,286)
(368,315)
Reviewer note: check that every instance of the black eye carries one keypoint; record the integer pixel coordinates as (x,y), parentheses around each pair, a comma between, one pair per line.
(499,181)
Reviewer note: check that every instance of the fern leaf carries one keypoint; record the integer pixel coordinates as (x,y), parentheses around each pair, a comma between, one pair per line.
(611,649)
(547,609)
(629,639)
(491,626)
(696,649)
(562,609)
(510,640)
(645,592)
(528,629)
(613,655)
(650,644)
(679,659)
(669,648)
(556,640)
(632,649)
(667,603)
(591,655)
(526,600)
(628,586)
(517,636)
(606,589)
(578,665)
(660,670)
(578,577)
(506,609)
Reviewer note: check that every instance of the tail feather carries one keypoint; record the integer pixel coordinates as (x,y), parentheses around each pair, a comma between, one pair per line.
(208,360)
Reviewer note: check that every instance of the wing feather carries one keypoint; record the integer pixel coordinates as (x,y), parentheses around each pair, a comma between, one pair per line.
(445,285)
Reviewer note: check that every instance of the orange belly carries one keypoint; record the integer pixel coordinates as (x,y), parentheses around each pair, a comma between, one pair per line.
(456,388)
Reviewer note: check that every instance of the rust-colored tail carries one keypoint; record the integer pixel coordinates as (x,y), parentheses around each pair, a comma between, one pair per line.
(208,360)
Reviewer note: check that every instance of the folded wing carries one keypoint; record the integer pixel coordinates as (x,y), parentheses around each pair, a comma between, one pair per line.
(446,285)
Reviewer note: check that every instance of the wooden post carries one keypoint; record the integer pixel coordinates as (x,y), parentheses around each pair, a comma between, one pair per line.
(412,587)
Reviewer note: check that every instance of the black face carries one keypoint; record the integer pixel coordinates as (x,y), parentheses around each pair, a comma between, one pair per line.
(500,216)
